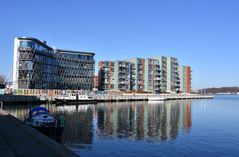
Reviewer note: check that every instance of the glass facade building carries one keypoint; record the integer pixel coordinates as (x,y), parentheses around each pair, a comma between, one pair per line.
(39,66)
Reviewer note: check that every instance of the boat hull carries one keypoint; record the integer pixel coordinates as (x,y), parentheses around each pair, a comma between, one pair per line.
(52,132)
(156,99)
(60,101)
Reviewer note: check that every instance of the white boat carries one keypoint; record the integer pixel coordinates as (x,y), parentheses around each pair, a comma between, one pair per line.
(41,119)
(156,98)
(74,96)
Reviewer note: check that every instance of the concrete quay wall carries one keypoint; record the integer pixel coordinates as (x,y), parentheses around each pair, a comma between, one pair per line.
(19,98)
(20,140)
(145,97)
(98,98)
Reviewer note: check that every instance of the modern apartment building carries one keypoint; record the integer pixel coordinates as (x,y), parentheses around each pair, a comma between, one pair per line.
(145,75)
(96,82)
(39,66)
(170,81)
(151,75)
(185,79)
(122,75)
(173,82)
(138,74)
(188,79)
(163,64)
(106,75)
(114,75)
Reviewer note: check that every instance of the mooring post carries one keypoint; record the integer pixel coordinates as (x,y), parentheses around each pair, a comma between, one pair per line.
(1,104)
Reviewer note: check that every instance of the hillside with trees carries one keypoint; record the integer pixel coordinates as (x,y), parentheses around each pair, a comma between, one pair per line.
(220,90)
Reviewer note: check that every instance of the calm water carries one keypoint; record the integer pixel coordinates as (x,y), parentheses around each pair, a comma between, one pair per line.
(171,129)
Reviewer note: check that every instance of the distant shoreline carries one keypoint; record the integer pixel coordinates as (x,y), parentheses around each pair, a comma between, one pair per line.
(221,90)
(226,93)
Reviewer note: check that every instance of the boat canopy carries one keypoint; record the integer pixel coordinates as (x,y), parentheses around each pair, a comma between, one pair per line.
(38,110)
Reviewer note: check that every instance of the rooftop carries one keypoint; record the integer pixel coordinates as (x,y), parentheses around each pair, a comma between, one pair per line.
(42,42)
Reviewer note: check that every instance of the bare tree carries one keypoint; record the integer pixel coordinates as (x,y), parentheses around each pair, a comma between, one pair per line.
(2,79)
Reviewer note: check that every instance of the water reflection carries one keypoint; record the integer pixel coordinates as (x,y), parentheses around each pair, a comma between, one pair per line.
(79,126)
(125,120)
(140,120)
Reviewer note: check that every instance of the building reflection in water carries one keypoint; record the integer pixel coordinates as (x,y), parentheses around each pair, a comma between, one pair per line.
(142,120)
(131,120)
(78,132)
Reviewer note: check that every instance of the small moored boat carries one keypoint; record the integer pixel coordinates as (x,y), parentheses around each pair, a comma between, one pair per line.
(156,98)
(41,119)
(75,98)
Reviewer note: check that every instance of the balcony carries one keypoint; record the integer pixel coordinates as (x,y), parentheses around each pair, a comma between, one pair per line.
(122,77)
(157,79)
(157,74)
(164,69)
(156,84)
(123,82)
(122,72)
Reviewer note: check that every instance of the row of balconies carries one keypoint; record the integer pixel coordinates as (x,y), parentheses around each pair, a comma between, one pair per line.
(124,82)
(124,65)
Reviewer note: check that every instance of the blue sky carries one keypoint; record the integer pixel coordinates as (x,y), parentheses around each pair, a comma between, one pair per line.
(201,33)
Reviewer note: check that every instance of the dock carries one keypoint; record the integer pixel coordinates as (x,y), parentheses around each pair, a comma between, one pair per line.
(20,140)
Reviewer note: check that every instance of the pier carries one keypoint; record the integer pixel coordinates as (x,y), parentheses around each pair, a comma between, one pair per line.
(20,140)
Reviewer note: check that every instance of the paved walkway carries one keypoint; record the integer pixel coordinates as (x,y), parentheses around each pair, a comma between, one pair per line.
(19,140)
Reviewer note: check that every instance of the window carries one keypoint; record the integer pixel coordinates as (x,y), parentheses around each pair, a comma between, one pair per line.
(27,44)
